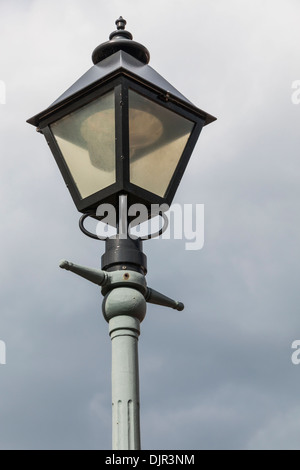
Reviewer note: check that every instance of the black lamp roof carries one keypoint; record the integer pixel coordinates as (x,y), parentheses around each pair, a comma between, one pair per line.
(119,62)
(119,55)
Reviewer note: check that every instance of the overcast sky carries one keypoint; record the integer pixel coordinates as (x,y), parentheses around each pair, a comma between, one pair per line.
(219,374)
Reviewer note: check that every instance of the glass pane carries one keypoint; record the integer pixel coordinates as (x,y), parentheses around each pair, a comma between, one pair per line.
(157,138)
(86,139)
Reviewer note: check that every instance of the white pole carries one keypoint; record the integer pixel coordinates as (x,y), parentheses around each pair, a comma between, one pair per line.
(124,332)
(124,308)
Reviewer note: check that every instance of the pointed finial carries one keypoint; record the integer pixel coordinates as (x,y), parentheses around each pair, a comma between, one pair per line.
(121,40)
(121,23)
(120,32)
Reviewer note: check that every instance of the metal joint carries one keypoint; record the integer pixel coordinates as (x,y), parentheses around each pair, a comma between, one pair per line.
(131,279)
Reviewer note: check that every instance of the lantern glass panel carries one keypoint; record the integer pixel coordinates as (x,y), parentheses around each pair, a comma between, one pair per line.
(157,139)
(86,138)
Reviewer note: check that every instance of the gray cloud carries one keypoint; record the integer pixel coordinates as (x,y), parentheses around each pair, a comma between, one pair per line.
(218,374)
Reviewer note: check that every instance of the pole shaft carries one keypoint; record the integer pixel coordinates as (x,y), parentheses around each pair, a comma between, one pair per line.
(124,332)
(123,217)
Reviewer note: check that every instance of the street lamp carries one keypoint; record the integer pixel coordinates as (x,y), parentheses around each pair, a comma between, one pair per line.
(122,135)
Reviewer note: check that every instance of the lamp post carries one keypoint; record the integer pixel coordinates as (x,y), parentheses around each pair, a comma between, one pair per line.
(122,135)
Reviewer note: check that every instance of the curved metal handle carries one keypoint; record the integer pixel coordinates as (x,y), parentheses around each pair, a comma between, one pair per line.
(161,231)
(86,232)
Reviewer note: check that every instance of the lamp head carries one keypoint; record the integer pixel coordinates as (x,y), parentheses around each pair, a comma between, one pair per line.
(121,129)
